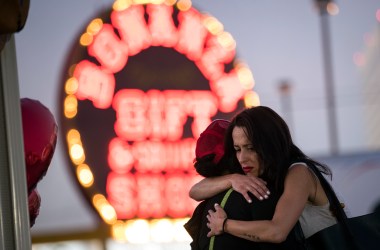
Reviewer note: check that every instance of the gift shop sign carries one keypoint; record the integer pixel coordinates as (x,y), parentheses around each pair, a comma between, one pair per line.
(137,90)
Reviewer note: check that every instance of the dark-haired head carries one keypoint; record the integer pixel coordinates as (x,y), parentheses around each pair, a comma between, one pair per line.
(206,167)
(210,160)
(270,138)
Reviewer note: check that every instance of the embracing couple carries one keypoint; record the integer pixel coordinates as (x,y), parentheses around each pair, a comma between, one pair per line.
(261,191)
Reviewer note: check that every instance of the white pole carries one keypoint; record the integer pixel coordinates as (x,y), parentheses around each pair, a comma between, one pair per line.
(14,214)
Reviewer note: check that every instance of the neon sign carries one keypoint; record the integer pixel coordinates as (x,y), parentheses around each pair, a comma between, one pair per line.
(145,80)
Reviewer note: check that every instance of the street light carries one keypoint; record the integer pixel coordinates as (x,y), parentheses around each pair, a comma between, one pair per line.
(285,88)
(325,8)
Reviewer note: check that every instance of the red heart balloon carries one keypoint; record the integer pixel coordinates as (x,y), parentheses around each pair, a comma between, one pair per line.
(40,138)
(34,202)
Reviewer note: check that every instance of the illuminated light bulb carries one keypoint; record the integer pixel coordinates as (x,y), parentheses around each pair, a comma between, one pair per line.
(180,233)
(120,5)
(227,41)
(108,213)
(332,9)
(137,231)
(98,200)
(213,25)
(141,1)
(95,26)
(77,153)
(170,2)
(118,231)
(69,114)
(245,77)
(184,5)
(85,176)
(70,106)
(157,1)
(162,230)
(251,99)
(73,136)
(71,85)
(86,39)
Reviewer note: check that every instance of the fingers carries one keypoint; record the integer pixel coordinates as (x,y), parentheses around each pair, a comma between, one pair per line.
(260,194)
(217,207)
(260,185)
(213,218)
(245,184)
(258,188)
(246,196)
(258,180)
(208,216)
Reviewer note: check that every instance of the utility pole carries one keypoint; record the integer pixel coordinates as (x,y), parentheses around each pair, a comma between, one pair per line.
(285,88)
(328,70)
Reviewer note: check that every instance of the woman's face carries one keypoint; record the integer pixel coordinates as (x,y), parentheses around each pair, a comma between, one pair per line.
(246,155)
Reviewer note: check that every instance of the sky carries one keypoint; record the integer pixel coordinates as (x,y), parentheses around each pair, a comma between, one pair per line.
(279,41)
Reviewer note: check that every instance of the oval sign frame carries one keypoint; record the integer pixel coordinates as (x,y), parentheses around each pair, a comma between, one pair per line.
(137,90)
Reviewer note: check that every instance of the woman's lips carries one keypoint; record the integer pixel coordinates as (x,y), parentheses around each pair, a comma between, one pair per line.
(247,169)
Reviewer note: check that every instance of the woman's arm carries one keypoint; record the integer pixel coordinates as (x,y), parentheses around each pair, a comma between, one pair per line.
(297,189)
(243,184)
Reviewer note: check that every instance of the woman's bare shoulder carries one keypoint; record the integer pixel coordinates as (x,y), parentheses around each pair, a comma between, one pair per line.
(299,169)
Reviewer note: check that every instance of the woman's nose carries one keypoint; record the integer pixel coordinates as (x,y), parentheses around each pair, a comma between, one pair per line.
(242,156)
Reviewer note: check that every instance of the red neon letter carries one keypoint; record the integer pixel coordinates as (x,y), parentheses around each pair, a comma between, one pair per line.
(94,84)
(179,155)
(229,90)
(130,106)
(109,50)
(151,156)
(186,155)
(213,59)
(202,105)
(176,192)
(161,25)
(155,157)
(155,113)
(120,158)
(150,196)
(132,28)
(122,194)
(175,113)
(192,34)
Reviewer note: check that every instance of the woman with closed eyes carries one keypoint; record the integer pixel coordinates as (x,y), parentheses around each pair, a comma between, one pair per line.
(259,140)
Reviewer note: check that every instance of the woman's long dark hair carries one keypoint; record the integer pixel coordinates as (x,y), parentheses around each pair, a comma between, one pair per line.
(271,139)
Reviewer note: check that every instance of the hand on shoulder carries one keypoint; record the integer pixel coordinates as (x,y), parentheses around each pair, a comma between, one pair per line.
(247,183)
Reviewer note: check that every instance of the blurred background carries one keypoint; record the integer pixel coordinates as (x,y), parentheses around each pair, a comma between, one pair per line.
(318,70)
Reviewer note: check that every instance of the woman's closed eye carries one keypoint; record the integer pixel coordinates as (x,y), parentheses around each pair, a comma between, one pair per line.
(249,148)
